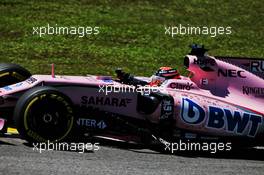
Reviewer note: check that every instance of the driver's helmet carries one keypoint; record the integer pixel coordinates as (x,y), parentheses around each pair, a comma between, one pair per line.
(164,73)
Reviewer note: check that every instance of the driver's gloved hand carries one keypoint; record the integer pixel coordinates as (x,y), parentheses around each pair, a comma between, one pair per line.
(124,77)
(128,78)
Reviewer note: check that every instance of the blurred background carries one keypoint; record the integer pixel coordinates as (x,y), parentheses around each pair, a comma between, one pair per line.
(132,34)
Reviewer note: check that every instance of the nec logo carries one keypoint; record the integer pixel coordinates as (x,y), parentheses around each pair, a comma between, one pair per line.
(231,73)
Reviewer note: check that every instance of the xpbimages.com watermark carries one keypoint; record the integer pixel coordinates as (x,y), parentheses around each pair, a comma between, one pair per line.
(106,89)
(81,31)
(212,147)
(212,31)
(63,146)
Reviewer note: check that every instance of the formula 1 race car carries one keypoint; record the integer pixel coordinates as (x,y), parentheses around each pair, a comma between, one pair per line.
(222,99)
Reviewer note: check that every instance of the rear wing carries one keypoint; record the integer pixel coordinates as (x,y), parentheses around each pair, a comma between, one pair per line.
(253,65)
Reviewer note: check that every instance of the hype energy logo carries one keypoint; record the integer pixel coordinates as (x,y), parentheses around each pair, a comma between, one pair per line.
(237,122)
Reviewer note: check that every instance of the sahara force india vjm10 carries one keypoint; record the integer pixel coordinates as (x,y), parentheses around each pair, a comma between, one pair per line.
(222,99)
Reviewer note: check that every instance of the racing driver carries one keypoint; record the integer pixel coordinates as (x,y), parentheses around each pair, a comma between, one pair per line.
(162,74)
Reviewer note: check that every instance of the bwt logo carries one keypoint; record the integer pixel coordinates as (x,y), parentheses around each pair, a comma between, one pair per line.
(219,118)
(191,112)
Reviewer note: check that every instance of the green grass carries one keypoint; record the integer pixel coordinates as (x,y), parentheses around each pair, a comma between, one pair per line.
(131,33)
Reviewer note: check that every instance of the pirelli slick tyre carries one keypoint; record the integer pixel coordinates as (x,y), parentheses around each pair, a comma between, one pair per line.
(44,114)
(12,73)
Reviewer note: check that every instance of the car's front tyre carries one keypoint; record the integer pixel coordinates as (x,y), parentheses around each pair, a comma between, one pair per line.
(44,114)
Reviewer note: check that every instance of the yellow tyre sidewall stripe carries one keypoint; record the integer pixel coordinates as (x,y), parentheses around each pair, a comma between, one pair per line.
(12,131)
(26,115)
(4,74)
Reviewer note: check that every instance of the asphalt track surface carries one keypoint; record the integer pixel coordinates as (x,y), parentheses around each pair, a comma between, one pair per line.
(16,157)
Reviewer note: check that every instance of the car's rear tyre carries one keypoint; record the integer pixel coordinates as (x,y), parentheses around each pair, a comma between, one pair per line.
(12,73)
(44,114)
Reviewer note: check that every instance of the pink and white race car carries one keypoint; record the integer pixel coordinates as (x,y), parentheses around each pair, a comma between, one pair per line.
(223,99)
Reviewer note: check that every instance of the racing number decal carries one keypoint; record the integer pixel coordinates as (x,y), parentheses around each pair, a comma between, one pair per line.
(167,108)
